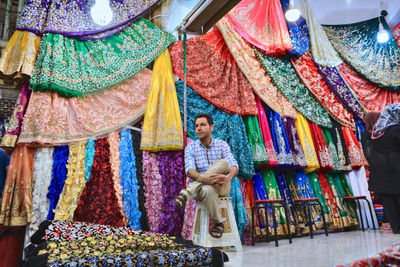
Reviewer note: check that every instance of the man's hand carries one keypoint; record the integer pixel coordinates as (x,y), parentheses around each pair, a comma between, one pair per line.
(219,179)
(205,178)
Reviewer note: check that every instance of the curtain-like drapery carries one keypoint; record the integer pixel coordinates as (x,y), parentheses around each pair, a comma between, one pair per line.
(262,23)
(285,78)
(357,43)
(213,73)
(396,34)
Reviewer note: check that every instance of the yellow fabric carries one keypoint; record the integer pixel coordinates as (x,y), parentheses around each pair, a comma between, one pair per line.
(162,126)
(306,143)
(74,183)
(20,54)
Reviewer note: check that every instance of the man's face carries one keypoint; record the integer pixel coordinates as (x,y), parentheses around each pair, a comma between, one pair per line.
(203,129)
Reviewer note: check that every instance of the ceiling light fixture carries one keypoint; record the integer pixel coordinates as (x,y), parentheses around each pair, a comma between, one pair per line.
(292,14)
(101,12)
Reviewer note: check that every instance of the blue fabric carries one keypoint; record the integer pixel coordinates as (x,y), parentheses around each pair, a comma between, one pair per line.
(298,32)
(4,162)
(360,128)
(89,156)
(129,182)
(285,192)
(58,176)
(231,129)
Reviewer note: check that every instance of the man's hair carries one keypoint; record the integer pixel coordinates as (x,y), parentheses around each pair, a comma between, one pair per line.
(207,116)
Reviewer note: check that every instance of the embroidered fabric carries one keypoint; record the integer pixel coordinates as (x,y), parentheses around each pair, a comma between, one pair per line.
(321,147)
(299,159)
(188,218)
(396,34)
(257,146)
(338,139)
(89,156)
(356,154)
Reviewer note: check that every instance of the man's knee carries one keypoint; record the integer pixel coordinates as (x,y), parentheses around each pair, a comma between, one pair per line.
(208,192)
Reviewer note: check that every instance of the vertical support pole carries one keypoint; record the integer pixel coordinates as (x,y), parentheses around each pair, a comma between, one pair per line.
(184,102)
(20,6)
(7,19)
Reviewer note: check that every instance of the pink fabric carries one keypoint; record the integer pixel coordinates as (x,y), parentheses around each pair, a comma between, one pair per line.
(263,24)
(190,210)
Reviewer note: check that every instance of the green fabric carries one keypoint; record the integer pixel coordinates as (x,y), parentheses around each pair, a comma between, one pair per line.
(79,68)
(357,44)
(317,190)
(337,194)
(257,146)
(332,149)
(344,190)
(286,80)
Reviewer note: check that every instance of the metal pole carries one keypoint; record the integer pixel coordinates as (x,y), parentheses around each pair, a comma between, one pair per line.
(184,102)
(7,19)
(20,6)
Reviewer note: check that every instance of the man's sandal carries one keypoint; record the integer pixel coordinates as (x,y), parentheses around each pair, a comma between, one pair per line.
(217,230)
(180,201)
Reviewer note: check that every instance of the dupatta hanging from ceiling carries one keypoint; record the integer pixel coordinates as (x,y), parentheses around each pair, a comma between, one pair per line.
(73,17)
(321,48)
(213,73)
(357,43)
(262,23)
(251,67)
(313,80)
(285,78)
(396,34)
(370,96)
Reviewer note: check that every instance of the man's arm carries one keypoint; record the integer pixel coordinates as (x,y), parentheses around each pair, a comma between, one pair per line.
(202,178)
(221,179)
(190,167)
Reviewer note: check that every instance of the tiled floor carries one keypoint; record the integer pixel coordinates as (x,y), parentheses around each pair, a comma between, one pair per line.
(337,248)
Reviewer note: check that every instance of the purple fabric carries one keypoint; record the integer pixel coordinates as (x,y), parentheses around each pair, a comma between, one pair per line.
(171,170)
(72,18)
(14,127)
(339,88)
(299,157)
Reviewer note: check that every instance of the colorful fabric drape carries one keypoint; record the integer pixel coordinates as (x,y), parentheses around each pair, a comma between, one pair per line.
(298,32)
(315,83)
(246,236)
(343,189)
(285,78)
(286,196)
(340,144)
(238,206)
(356,154)
(262,23)
(51,119)
(89,156)
(73,17)
(98,202)
(303,130)
(171,171)
(227,127)
(357,43)
(74,183)
(16,202)
(75,68)
(338,86)
(257,145)
(20,54)
(371,97)
(213,73)
(58,176)
(152,183)
(321,48)
(14,127)
(318,193)
(266,134)
(321,147)
(190,210)
(162,125)
(299,159)
(129,182)
(255,73)
(332,149)
(396,34)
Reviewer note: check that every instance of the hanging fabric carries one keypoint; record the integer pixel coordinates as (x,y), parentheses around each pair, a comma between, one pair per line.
(343,189)
(246,235)
(98,202)
(299,159)
(285,78)
(338,86)
(256,141)
(340,144)
(190,210)
(303,130)
(74,68)
(332,149)
(255,73)
(213,72)
(321,48)
(356,154)
(396,34)
(357,44)
(19,56)
(51,119)
(370,96)
(321,147)
(89,156)
(74,183)
(162,125)
(298,32)
(286,196)
(262,23)
(318,193)
(74,18)
(314,81)
(16,202)
(16,121)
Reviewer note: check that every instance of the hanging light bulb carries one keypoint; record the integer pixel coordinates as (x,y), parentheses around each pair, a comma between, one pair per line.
(292,14)
(101,12)
(383,35)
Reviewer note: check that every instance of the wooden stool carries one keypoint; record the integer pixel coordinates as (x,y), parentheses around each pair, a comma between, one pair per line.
(230,237)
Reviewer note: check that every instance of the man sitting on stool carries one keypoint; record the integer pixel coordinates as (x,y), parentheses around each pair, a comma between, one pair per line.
(210,163)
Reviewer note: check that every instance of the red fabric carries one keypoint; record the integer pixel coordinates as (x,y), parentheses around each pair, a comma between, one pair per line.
(370,96)
(315,83)
(329,197)
(356,154)
(396,34)
(213,73)
(98,202)
(321,148)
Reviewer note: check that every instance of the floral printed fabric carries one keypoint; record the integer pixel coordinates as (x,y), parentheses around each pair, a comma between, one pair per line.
(321,147)
(396,34)
(356,153)
(285,78)
(213,73)
(299,159)
(51,119)
(76,68)
(315,83)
